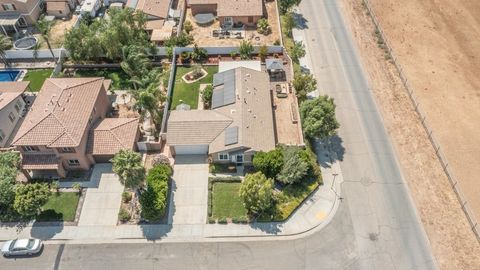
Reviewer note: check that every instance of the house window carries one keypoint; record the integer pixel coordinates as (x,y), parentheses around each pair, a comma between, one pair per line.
(2,135)
(30,148)
(73,162)
(42,5)
(60,12)
(22,22)
(9,7)
(11,116)
(223,156)
(18,106)
(67,150)
(250,19)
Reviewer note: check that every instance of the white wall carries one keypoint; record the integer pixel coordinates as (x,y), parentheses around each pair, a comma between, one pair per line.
(5,124)
(28,54)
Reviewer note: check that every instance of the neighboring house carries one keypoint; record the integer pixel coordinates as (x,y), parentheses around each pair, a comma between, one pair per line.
(230,12)
(17,14)
(11,109)
(66,130)
(157,12)
(60,8)
(239,124)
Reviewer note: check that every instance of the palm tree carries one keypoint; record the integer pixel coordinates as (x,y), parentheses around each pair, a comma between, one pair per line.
(135,63)
(5,44)
(149,99)
(44,27)
(245,50)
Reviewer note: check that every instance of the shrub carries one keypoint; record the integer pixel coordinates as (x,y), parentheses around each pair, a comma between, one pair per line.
(29,198)
(240,220)
(187,27)
(269,163)
(318,118)
(154,199)
(77,186)
(207,96)
(276,42)
(263,27)
(211,220)
(159,173)
(222,220)
(128,166)
(124,215)
(126,197)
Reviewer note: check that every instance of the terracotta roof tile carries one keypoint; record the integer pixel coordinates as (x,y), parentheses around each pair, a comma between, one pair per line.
(112,135)
(42,162)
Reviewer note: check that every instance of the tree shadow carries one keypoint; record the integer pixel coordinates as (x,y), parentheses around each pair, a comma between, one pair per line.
(46,230)
(302,23)
(268,227)
(329,151)
(154,232)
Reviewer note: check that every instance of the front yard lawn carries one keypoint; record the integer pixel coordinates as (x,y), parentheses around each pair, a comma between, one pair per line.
(37,77)
(226,202)
(61,206)
(188,92)
(120,80)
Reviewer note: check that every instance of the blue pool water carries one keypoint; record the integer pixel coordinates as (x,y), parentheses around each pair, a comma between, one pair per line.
(9,75)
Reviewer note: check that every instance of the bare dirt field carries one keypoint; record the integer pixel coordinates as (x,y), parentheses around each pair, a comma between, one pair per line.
(436,41)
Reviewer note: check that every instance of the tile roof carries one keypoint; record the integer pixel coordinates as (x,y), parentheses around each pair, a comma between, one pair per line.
(61,112)
(42,162)
(195,127)
(53,6)
(111,135)
(251,114)
(9,91)
(234,7)
(157,8)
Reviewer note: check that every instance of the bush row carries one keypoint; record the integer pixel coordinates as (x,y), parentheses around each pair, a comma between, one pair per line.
(154,199)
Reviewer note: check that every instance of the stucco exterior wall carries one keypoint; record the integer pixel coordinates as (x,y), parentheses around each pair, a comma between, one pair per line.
(30,10)
(206,8)
(7,126)
(242,19)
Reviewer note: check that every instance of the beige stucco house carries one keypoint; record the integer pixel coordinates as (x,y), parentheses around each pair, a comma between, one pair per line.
(66,129)
(239,124)
(60,8)
(11,109)
(15,14)
(230,12)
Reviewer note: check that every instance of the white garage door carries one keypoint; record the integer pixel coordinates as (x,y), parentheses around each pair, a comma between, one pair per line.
(191,149)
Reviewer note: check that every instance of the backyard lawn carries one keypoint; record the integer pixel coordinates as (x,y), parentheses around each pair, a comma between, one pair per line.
(120,80)
(226,202)
(61,206)
(188,92)
(37,77)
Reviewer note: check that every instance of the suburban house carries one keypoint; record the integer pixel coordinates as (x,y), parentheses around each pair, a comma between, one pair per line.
(239,124)
(230,12)
(157,12)
(60,8)
(66,129)
(15,14)
(11,109)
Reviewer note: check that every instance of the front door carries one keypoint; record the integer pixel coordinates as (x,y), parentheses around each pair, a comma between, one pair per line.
(239,159)
(228,21)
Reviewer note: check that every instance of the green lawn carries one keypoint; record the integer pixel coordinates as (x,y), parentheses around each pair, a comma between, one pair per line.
(120,80)
(37,77)
(188,92)
(61,206)
(226,202)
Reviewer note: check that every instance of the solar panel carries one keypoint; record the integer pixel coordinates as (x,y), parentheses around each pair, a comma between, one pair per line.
(231,135)
(224,92)
(217,97)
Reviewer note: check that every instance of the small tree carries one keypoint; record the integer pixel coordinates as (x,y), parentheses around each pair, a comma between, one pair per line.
(286,5)
(318,118)
(187,27)
(263,27)
(30,198)
(245,50)
(289,23)
(198,54)
(207,96)
(269,163)
(295,166)
(128,166)
(263,52)
(297,51)
(304,84)
(5,44)
(10,159)
(256,193)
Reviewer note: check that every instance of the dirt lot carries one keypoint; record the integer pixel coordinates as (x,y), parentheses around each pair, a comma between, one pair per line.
(436,43)
(57,33)
(203,34)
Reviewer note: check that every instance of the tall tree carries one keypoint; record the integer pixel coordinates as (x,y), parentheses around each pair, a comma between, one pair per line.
(128,166)
(304,84)
(287,5)
(30,198)
(148,99)
(318,118)
(5,44)
(297,51)
(44,28)
(256,193)
(289,23)
(135,62)
(269,163)
(295,167)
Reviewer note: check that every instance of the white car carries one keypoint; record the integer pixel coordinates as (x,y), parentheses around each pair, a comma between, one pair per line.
(22,247)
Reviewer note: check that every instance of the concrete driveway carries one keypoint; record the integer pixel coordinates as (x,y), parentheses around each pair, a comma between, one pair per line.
(188,203)
(102,202)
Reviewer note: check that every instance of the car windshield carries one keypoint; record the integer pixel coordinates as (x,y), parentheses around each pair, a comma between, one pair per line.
(12,244)
(30,244)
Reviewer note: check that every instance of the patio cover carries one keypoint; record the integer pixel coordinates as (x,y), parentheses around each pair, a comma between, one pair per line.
(9,20)
(274,64)
(40,162)
(163,33)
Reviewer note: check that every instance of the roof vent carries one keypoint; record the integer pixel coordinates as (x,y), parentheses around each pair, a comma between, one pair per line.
(250,110)
(232,111)
(248,91)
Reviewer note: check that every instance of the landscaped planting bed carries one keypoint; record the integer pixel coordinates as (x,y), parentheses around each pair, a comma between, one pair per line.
(61,206)
(37,77)
(189,92)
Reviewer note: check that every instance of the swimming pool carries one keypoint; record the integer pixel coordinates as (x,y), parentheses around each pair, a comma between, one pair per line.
(9,75)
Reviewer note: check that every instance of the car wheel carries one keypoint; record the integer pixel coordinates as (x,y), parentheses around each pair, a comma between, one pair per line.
(29,254)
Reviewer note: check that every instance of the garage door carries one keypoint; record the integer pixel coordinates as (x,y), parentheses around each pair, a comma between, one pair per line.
(102,158)
(191,149)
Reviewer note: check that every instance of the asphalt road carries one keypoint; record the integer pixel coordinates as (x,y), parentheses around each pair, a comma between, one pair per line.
(376,226)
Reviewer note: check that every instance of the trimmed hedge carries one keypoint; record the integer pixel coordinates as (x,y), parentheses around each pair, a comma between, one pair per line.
(154,199)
